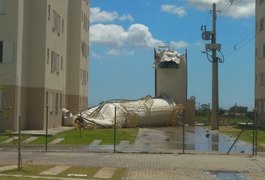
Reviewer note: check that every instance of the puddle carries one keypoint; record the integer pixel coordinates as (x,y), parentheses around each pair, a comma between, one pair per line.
(196,138)
(227,175)
(170,139)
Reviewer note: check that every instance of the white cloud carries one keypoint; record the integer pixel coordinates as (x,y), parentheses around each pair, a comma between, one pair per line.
(120,41)
(95,55)
(127,17)
(117,52)
(179,44)
(173,9)
(98,15)
(202,4)
(246,9)
(112,35)
(140,36)
(238,8)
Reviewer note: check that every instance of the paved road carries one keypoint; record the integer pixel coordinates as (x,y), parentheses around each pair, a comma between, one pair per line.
(154,166)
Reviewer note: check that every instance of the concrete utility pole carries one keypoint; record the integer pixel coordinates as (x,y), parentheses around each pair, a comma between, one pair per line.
(213,47)
(215,90)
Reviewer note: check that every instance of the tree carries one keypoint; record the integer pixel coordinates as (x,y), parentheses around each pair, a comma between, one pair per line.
(205,108)
(238,109)
(203,111)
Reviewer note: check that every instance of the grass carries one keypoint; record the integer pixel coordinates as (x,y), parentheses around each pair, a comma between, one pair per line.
(35,170)
(3,138)
(87,136)
(29,170)
(246,136)
(223,120)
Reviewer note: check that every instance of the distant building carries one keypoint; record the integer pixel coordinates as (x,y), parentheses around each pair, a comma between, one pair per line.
(260,61)
(43,61)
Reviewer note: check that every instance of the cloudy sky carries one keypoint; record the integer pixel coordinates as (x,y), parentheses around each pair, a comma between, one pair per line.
(123,34)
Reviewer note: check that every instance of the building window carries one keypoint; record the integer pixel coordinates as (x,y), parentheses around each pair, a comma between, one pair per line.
(2,7)
(56,103)
(61,62)
(49,11)
(51,103)
(263,50)
(262,79)
(6,52)
(261,24)
(47,98)
(83,77)
(260,52)
(48,55)
(85,23)
(55,61)
(62,25)
(84,49)
(56,22)
(61,100)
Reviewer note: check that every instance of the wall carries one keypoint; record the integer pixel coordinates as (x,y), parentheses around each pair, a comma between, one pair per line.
(172,82)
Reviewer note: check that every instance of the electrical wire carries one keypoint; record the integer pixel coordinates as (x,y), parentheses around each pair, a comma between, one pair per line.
(225,9)
(210,57)
(247,39)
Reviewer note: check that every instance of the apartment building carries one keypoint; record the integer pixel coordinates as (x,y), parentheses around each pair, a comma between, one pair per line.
(260,61)
(43,61)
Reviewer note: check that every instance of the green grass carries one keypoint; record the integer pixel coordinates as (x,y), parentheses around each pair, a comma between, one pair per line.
(223,120)
(246,136)
(28,170)
(3,138)
(87,136)
(35,170)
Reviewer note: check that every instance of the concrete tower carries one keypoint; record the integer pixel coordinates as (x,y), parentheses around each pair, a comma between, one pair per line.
(171,74)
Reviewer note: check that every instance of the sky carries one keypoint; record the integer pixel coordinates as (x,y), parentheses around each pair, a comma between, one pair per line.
(123,34)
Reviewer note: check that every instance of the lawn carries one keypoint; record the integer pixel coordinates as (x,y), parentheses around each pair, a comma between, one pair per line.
(3,138)
(223,120)
(87,136)
(246,136)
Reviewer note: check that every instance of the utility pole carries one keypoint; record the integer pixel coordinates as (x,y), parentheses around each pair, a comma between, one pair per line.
(215,93)
(213,47)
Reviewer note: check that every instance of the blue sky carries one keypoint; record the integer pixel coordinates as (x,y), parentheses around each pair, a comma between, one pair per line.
(123,34)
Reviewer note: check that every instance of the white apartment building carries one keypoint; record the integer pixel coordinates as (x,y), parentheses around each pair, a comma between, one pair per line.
(43,61)
(260,61)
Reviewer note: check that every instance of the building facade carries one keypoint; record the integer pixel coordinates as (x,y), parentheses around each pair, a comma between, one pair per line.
(43,61)
(260,61)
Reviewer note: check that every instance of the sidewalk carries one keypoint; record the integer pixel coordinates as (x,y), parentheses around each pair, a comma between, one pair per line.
(154,166)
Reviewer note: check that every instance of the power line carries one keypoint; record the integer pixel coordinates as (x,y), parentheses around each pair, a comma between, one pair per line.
(242,43)
(227,7)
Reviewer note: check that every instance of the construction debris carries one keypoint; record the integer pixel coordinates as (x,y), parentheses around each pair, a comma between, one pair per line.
(146,111)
